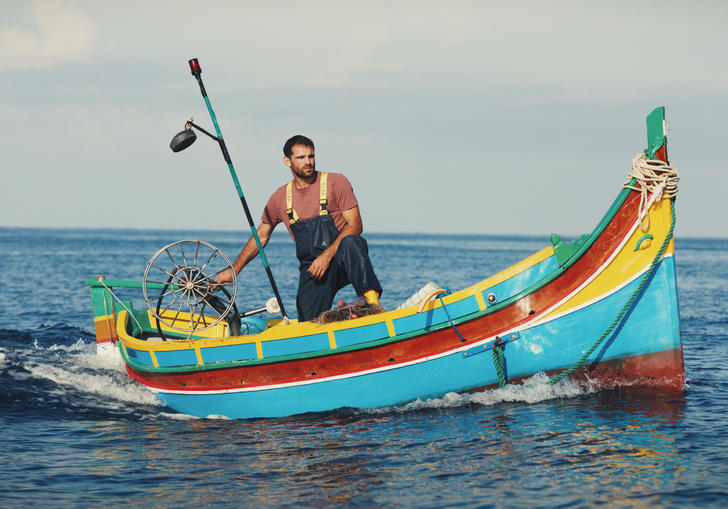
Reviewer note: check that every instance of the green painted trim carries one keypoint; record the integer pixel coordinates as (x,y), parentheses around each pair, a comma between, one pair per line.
(565,250)
(656,136)
(642,238)
(120,283)
(142,318)
(101,302)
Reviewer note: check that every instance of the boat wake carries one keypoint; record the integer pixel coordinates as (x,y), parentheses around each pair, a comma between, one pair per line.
(535,389)
(42,374)
(38,372)
(84,371)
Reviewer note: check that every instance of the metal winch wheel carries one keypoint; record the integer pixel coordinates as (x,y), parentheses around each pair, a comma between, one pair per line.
(179,286)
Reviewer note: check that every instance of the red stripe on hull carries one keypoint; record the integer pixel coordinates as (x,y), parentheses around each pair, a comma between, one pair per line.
(663,371)
(497,322)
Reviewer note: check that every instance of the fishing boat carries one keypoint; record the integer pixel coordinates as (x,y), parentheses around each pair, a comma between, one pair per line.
(601,309)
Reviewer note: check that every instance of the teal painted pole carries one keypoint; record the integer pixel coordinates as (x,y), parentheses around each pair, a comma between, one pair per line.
(197,73)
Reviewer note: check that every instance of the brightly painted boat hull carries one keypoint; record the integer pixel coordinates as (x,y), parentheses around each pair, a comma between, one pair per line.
(542,348)
(606,303)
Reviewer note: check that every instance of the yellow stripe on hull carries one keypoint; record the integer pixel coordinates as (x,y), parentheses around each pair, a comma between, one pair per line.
(217,337)
(628,262)
(104,327)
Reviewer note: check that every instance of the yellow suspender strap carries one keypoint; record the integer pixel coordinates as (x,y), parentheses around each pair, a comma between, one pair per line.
(322,196)
(292,215)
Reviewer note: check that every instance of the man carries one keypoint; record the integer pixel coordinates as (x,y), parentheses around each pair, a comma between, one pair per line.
(321,213)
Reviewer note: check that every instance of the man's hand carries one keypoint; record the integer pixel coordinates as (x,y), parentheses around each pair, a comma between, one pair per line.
(353,227)
(320,265)
(224,277)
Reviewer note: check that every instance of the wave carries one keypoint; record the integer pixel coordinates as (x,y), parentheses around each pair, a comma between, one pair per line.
(535,389)
(52,378)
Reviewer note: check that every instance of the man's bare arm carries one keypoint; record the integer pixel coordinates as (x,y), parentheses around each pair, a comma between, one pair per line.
(249,251)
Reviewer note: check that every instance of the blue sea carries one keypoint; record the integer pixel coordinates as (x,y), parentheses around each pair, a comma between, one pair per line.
(75,430)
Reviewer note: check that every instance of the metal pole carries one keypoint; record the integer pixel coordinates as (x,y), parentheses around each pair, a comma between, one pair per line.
(197,73)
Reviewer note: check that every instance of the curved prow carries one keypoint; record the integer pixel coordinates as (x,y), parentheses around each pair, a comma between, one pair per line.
(657,131)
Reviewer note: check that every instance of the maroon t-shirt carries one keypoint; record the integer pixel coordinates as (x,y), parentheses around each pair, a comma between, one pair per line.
(339,196)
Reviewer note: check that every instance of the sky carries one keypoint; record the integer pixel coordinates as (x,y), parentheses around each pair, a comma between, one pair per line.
(447,117)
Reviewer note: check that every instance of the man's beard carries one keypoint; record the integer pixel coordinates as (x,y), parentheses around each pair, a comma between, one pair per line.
(301,173)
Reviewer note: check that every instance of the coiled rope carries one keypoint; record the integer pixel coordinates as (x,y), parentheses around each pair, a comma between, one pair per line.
(652,176)
(655,177)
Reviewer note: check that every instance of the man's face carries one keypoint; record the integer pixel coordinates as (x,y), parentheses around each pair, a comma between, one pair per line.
(302,161)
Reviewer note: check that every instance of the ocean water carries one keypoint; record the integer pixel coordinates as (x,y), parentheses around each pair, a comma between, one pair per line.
(75,430)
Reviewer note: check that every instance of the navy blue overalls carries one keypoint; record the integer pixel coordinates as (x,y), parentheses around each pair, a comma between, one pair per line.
(351,263)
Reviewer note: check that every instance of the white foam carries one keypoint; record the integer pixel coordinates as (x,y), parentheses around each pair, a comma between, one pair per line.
(218,417)
(119,389)
(104,377)
(534,390)
(78,366)
(177,417)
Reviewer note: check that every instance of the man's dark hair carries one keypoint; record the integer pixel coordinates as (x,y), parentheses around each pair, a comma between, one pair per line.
(296,140)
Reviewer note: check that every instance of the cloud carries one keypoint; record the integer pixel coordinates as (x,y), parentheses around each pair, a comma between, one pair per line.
(461,98)
(45,34)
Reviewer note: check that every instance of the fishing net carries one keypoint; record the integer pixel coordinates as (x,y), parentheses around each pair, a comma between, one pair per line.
(356,309)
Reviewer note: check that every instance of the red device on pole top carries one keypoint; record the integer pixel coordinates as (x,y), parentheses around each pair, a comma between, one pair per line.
(195,67)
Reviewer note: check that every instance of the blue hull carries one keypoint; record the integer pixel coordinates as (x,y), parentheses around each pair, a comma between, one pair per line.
(650,327)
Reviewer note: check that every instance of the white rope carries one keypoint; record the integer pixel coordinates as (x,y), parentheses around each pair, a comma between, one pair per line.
(653,177)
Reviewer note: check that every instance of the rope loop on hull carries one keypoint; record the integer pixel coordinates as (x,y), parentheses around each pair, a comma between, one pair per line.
(654,177)
(499,360)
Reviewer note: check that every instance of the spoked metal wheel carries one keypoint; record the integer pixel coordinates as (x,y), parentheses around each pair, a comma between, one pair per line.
(178,286)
